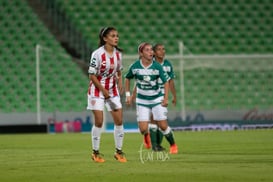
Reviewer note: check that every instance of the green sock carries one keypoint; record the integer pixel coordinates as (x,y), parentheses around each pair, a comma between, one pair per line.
(159,135)
(153,136)
(169,136)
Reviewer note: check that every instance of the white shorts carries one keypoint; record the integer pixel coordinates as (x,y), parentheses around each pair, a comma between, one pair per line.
(144,113)
(97,103)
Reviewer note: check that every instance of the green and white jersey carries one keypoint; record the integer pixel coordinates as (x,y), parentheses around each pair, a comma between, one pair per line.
(168,68)
(147,82)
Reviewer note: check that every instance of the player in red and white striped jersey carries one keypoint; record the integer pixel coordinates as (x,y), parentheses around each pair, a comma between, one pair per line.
(105,67)
(105,84)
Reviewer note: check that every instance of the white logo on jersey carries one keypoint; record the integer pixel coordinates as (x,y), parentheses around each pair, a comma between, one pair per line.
(147,78)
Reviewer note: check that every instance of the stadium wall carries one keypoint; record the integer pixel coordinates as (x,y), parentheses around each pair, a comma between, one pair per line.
(60,122)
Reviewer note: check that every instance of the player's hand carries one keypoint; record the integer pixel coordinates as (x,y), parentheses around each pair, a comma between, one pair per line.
(128,100)
(133,98)
(112,105)
(164,103)
(174,101)
(106,94)
(120,88)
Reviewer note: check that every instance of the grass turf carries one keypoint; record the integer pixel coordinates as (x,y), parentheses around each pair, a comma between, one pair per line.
(203,156)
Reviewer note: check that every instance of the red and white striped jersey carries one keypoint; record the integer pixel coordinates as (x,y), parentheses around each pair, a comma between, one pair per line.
(105,68)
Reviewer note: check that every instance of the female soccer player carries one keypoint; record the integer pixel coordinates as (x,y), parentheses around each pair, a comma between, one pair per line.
(150,99)
(105,84)
(159,56)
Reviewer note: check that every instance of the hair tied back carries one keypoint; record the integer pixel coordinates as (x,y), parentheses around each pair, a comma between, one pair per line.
(103,31)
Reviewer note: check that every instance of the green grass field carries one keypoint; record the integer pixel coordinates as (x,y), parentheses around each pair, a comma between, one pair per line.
(203,156)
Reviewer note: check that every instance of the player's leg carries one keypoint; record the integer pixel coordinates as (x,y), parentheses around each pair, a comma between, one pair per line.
(156,135)
(153,133)
(97,129)
(96,135)
(144,130)
(118,122)
(160,115)
(118,135)
(167,132)
(159,136)
(115,108)
(118,128)
(96,105)
(143,118)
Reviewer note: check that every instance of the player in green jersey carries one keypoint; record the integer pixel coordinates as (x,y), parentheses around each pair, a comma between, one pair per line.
(149,98)
(159,56)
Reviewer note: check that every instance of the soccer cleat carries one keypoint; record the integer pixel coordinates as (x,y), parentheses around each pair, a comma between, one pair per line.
(173,149)
(147,141)
(158,148)
(97,157)
(120,156)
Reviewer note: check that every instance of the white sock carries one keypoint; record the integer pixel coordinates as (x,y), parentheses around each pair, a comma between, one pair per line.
(96,133)
(118,136)
(167,131)
(153,127)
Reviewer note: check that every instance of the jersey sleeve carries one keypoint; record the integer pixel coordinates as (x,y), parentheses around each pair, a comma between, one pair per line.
(171,72)
(94,64)
(129,74)
(163,74)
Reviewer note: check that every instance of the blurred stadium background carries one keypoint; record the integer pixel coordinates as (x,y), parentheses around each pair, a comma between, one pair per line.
(221,50)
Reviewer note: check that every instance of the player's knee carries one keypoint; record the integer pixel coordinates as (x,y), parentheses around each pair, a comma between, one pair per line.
(144,131)
(98,124)
(119,122)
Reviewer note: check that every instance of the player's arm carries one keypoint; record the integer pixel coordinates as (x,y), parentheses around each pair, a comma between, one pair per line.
(97,84)
(173,91)
(127,91)
(93,69)
(119,80)
(171,82)
(166,94)
(165,78)
(134,93)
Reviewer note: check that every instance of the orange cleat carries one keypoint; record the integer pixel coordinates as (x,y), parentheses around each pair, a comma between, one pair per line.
(97,157)
(173,149)
(120,156)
